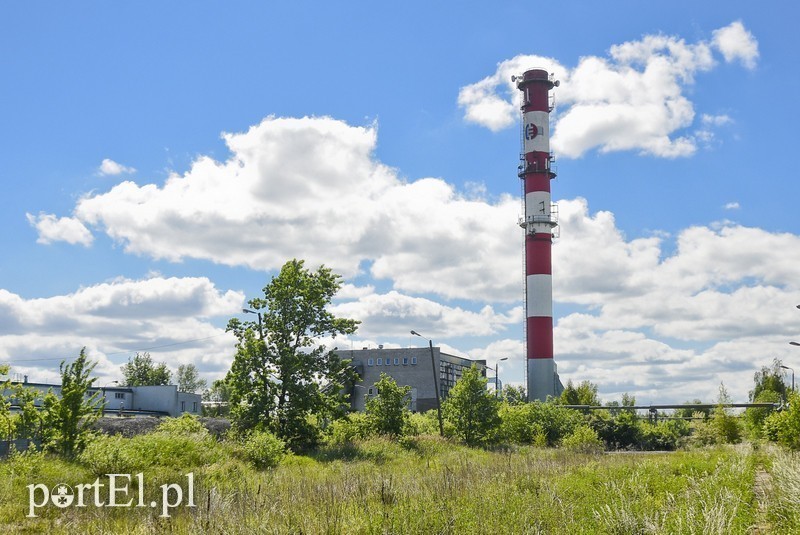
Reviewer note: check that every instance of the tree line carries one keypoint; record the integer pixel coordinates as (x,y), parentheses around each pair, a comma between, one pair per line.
(285,388)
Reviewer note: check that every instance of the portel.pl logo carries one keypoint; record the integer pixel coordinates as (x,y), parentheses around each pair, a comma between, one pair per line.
(117,493)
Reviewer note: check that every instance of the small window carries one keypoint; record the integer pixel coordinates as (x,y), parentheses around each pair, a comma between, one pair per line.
(183,406)
(396,361)
(371,362)
(413,361)
(405,361)
(388,361)
(119,395)
(194,406)
(370,391)
(380,361)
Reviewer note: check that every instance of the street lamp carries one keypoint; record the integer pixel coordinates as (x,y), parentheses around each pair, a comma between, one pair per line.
(248,311)
(435,383)
(497,375)
(788,368)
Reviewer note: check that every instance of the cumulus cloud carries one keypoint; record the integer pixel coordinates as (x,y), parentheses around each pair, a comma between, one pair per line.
(310,188)
(632,100)
(735,42)
(52,229)
(734,205)
(394,314)
(110,167)
(173,316)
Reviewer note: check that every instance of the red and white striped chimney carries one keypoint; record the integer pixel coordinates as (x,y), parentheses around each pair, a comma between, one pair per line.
(540,221)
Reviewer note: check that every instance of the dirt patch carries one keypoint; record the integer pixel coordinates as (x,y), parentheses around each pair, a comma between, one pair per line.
(762,488)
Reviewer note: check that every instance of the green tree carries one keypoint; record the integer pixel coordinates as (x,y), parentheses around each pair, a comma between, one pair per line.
(6,423)
(188,379)
(514,395)
(471,408)
(723,422)
(28,425)
(387,413)
(219,395)
(583,394)
(281,381)
(755,416)
(71,415)
(140,370)
(769,378)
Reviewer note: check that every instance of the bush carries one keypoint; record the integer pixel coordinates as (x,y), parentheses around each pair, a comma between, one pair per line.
(784,427)
(186,424)
(178,445)
(537,423)
(424,423)
(583,439)
(355,426)
(264,449)
(665,435)
(110,455)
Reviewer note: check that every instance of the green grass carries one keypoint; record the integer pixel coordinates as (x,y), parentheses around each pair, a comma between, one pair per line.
(423,486)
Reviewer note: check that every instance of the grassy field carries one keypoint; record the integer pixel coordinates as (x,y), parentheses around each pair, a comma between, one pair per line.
(424,486)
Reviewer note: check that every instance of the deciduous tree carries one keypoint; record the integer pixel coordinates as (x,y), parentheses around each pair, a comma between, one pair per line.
(387,412)
(471,408)
(282,376)
(140,370)
(71,415)
(188,379)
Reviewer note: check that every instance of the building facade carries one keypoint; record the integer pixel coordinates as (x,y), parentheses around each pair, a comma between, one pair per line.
(163,400)
(408,367)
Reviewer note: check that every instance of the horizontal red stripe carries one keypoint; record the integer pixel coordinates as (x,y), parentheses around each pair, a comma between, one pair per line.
(538,256)
(540,338)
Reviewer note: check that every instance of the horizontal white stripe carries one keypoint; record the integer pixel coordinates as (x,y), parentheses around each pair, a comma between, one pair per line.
(536,131)
(539,289)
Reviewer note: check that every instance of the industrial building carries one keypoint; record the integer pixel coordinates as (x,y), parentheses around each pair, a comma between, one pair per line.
(162,400)
(408,367)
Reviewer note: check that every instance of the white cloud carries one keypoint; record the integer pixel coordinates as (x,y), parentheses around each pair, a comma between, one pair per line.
(110,167)
(632,100)
(735,42)
(716,120)
(115,319)
(52,229)
(394,315)
(732,206)
(310,188)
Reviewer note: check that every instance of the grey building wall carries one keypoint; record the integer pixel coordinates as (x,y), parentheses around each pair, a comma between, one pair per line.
(162,399)
(408,367)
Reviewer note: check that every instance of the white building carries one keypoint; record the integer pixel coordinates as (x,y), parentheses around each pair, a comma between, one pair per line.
(164,400)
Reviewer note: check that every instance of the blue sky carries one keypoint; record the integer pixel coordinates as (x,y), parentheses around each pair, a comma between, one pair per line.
(160,162)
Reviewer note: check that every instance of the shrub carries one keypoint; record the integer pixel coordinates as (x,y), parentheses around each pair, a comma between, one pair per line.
(537,423)
(583,439)
(387,413)
(471,409)
(423,423)
(264,449)
(109,455)
(186,424)
(354,426)
(784,427)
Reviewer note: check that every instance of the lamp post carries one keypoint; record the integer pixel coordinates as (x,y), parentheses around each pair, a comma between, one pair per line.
(497,376)
(792,369)
(260,331)
(435,383)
